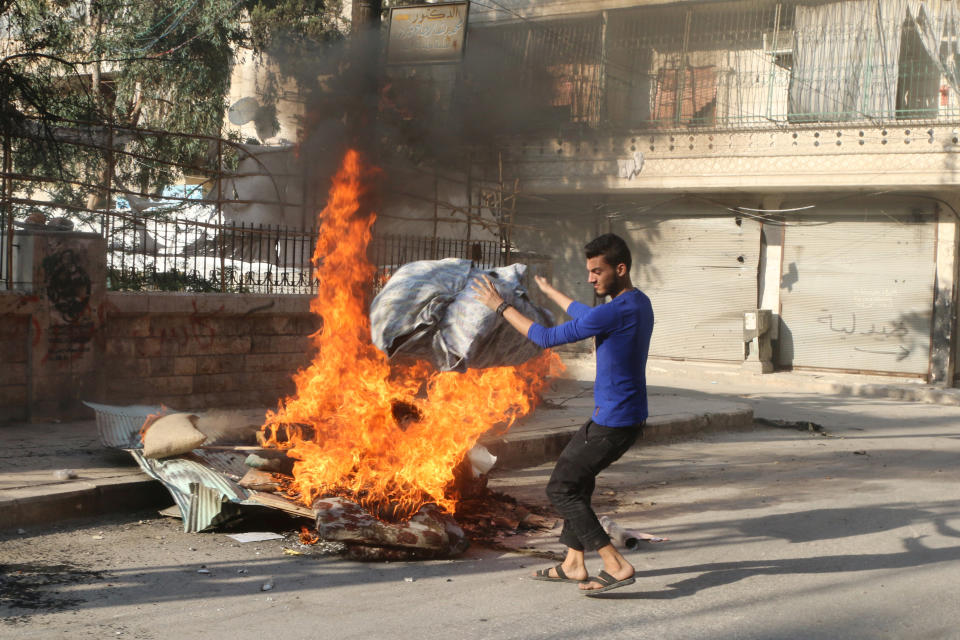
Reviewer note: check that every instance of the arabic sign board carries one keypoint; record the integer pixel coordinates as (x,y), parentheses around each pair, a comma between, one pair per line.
(429,33)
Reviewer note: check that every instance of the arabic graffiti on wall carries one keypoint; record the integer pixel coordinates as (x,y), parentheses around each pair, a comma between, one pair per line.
(885,339)
(69,342)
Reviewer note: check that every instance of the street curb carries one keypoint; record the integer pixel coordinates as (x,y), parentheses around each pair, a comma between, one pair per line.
(926,395)
(673,374)
(533,449)
(55,503)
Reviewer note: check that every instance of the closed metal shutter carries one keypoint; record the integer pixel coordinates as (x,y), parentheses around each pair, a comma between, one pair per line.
(701,275)
(856,290)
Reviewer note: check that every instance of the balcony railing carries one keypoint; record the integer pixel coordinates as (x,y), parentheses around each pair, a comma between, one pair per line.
(724,65)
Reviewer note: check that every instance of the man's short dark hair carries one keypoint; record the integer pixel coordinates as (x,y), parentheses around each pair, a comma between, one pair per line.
(613,249)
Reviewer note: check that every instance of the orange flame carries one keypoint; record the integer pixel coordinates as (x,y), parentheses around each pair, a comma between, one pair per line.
(308,537)
(341,427)
(150,419)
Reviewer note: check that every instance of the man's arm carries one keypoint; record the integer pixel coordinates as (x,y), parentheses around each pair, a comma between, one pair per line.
(583,326)
(517,320)
(573,308)
(487,294)
(559,298)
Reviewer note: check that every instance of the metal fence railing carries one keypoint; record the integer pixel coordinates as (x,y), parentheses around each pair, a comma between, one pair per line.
(191,256)
(181,255)
(6,249)
(390,252)
(6,217)
(186,237)
(187,255)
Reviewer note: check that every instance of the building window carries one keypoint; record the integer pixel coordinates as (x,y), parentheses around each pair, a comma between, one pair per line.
(695,88)
(918,79)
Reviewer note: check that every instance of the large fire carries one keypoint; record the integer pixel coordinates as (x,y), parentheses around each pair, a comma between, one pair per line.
(388,437)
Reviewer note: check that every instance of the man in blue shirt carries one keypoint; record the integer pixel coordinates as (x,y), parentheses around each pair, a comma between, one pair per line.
(621,329)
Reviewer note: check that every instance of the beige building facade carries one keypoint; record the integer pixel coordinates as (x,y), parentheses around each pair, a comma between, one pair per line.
(794,157)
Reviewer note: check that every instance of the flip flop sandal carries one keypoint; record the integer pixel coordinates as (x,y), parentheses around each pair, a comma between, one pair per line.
(544,574)
(608,582)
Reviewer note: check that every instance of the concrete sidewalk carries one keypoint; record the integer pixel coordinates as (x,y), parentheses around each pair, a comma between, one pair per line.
(686,398)
(701,375)
(674,413)
(37,457)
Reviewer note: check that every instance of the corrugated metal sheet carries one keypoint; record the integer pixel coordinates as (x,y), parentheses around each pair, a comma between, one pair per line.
(203,494)
(203,483)
(119,427)
(701,275)
(857,293)
(229,463)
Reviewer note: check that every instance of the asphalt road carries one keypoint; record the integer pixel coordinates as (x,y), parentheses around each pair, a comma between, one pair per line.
(848,532)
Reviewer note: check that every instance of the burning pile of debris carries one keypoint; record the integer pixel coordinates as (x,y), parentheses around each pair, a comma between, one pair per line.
(216,468)
(374,452)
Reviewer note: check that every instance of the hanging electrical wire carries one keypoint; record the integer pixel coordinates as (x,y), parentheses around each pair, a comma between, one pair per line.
(173,25)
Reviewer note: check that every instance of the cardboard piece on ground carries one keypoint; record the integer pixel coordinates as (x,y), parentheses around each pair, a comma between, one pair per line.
(259,480)
(254,536)
(173,511)
(278,502)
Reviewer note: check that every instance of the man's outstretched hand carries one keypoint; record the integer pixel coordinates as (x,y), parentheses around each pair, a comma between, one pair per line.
(561,299)
(543,283)
(486,293)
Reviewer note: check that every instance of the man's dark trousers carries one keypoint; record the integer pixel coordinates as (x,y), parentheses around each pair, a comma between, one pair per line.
(592,449)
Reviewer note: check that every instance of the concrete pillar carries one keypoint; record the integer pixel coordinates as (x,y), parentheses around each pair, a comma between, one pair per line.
(365,14)
(768,289)
(771,260)
(69,283)
(942,349)
(363,83)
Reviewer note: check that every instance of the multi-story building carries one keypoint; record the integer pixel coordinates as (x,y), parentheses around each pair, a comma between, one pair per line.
(799,157)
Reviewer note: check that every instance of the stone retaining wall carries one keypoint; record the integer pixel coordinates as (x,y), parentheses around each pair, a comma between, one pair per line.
(187,351)
(202,351)
(14,341)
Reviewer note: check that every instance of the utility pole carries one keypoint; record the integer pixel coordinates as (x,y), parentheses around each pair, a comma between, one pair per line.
(364,14)
(364,70)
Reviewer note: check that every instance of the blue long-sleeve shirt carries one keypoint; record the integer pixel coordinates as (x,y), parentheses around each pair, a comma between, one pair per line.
(622,329)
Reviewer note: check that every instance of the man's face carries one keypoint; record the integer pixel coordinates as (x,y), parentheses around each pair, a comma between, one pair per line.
(602,276)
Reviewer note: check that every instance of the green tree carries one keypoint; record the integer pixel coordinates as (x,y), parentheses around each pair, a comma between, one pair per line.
(72,71)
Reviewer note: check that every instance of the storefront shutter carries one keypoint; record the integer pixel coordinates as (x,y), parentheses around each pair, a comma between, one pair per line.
(856,291)
(701,276)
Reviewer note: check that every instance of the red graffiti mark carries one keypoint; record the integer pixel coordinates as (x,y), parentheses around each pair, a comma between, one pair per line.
(203,331)
(23,301)
(181,336)
(198,329)
(105,308)
(197,311)
(37,331)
